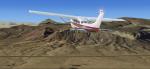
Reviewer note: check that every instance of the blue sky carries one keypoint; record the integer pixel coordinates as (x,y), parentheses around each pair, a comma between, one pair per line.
(17,10)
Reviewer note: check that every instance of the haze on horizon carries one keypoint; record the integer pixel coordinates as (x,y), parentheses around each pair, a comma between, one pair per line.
(17,10)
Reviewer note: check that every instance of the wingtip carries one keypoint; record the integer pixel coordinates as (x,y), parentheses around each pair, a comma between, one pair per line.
(30,11)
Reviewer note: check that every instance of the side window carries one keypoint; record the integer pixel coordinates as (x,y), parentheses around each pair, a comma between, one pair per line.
(76,21)
(84,22)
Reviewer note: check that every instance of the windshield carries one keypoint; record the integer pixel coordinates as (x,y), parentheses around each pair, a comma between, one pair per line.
(83,21)
(88,21)
(76,21)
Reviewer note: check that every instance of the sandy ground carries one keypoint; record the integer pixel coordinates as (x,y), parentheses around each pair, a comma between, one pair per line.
(40,55)
(107,62)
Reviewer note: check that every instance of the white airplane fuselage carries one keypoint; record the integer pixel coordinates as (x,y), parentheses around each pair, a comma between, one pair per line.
(92,27)
(78,26)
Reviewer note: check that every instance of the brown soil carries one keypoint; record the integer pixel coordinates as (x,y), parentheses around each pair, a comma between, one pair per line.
(25,47)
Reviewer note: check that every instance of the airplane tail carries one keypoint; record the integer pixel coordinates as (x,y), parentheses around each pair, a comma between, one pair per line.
(99,19)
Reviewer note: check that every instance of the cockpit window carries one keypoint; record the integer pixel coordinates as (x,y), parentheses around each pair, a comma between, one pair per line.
(76,21)
(84,21)
(87,21)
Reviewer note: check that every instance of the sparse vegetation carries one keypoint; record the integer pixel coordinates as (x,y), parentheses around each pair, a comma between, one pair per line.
(125,35)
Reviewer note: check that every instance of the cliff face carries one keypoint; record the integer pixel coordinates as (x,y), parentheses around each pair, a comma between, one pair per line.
(103,42)
(74,43)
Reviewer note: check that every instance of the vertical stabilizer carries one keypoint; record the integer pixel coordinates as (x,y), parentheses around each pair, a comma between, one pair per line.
(99,19)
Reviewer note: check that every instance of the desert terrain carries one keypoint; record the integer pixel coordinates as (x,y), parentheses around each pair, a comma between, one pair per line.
(53,46)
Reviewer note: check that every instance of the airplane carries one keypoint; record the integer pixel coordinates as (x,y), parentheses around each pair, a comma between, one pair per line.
(91,24)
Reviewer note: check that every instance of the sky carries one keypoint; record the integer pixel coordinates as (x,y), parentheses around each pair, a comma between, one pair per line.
(17,10)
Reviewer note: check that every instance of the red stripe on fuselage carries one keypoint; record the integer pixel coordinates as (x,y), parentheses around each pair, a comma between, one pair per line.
(91,29)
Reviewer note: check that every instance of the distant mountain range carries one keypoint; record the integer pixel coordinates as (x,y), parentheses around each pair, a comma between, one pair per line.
(7,24)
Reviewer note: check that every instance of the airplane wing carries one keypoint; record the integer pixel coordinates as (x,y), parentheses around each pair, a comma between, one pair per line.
(73,17)
(53,14)
(111,20)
